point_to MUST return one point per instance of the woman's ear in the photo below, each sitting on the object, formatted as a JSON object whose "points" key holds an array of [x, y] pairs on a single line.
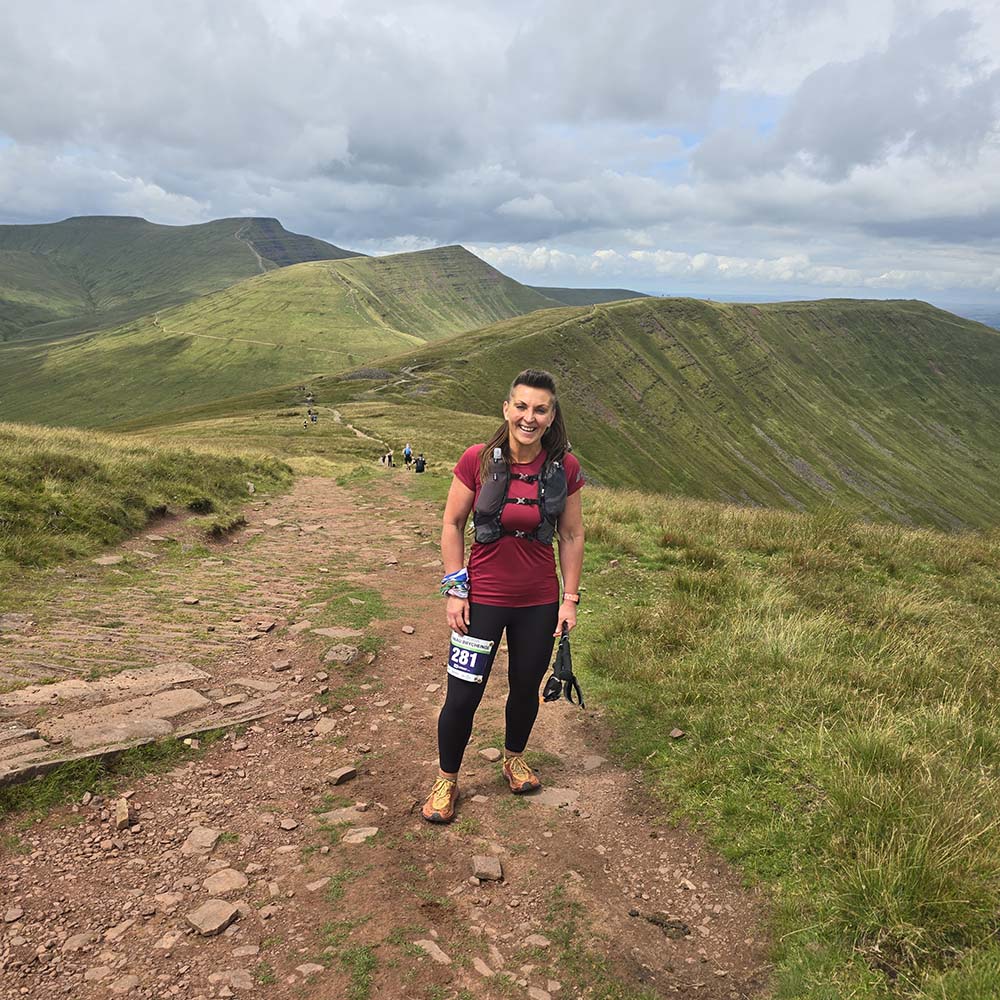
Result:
{"points": [[506, 403]]}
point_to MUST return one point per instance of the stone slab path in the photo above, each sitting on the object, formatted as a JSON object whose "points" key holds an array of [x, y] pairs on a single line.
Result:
{"points": [[288, 859]]}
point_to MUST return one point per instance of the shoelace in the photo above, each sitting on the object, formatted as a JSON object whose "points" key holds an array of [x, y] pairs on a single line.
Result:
{"points": [[520, 769], [441, 793]]}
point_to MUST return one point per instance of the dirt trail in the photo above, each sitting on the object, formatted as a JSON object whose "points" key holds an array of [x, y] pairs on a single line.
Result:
{"points": [[240, 235], [90, 911]]}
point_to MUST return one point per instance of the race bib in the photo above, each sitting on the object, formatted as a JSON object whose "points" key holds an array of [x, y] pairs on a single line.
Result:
{"points": [[468, 656]]}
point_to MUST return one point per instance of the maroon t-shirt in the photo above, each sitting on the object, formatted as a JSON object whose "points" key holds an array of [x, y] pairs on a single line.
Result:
{"points": [[515, 572]]}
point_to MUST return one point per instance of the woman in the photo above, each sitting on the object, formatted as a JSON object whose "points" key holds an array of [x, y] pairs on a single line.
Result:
{"points": [[522, 487]]}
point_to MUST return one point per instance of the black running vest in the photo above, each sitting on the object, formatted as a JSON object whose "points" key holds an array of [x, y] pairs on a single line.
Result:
{"points": [[493, 498]]}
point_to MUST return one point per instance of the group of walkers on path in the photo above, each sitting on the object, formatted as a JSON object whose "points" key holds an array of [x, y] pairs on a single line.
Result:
{"points": [[419, 463]]}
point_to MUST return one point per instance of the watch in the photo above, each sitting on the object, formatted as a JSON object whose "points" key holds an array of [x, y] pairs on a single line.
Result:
{"points": [[572, 598]]}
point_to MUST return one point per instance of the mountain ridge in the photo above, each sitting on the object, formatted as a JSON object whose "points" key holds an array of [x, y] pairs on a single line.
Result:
{"points": [[87, 272], [887, 409], [282, 325]]}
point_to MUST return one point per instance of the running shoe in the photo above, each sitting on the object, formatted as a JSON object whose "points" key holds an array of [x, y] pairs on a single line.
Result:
{"points": [[519, 776], [440, 804]]}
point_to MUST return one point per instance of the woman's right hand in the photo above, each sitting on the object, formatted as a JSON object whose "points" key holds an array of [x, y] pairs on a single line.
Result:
{"points": [[458, 615]]}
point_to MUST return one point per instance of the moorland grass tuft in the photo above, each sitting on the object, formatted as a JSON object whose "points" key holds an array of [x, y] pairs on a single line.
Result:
{"points": [[837, 684], [65, 494]]}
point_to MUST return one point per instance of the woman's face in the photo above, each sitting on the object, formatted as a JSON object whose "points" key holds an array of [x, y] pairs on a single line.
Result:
{"points": [[529, 412]]}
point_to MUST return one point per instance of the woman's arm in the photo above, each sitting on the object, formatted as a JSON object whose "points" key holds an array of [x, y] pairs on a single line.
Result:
{"points": [[456, 514], [570, 557]]}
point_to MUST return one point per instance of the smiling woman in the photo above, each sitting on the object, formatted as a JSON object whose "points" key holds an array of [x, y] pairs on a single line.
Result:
{"points": [[522, 488]]}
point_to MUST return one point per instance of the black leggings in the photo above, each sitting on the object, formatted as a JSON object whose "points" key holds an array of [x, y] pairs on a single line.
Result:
{"points": [[529, 648]]}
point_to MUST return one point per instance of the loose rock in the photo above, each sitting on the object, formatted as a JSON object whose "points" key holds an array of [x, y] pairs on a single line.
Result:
{"points": [[360, 834], [213, 917], [491, 754], [200, 840], [341, 775], [537, 941], [434, 951], [79, 941], [487, 867], [122, 987], [224, 882], [169, 940], [341, 653], [123, 814]]}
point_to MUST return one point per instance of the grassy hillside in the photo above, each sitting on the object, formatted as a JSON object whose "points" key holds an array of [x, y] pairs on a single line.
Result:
{"points": [[587, 296], [883, 409], [274, 328], [68, 493], [93, 271], [836, 685]]}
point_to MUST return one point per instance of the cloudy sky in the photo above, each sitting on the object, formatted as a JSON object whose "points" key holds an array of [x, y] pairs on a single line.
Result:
{"points": [[724, 147]]}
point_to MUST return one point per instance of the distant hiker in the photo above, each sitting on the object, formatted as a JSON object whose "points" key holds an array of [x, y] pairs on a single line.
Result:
{"points": [[511, 583], [388, 458], [314, 417], [407, 454], [305, 424], [420, 464]]}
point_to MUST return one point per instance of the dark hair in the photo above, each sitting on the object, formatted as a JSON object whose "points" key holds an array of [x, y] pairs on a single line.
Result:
{"points": [[554, 440]]}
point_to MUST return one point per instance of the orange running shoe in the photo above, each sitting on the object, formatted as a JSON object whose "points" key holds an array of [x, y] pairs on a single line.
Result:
{"points": [[519, 776], [440, 804]]}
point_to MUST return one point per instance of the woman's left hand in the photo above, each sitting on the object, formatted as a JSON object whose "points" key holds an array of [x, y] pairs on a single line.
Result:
{"points": [[567, 615]]}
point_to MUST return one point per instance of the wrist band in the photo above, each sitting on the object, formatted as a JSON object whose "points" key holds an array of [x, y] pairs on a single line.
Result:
{"points": [[456, 584]]}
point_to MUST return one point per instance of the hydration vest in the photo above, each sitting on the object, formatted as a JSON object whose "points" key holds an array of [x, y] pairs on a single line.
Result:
{"points": [[493, 498]]}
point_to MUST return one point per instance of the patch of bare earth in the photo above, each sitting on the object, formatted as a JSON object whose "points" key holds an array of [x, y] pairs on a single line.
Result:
{"points": [[321, 888]]}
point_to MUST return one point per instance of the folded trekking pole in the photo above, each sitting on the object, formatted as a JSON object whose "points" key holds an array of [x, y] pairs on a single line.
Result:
{"points": [[562, 680]]}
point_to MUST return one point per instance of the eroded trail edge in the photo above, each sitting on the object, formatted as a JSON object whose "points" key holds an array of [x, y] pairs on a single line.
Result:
{"points": [[287, 858]]}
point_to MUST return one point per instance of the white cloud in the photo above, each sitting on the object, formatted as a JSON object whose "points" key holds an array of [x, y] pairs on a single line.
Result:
{"points": [[761, 141], [641, 266], [537, 207]]}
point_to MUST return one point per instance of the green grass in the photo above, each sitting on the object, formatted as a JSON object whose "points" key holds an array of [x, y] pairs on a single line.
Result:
{"points": [[347, 604], [337, 886], [334, 933], [100, 777], [65, 494], [264, 974], [360, 961], [837, 684]]}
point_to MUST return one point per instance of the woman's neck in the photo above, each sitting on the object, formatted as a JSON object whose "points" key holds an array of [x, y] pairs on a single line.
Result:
{"points": [[524, 455]]}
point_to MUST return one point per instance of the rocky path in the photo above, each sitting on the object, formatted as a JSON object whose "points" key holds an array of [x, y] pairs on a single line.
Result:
{"points": [[288, 859]]}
